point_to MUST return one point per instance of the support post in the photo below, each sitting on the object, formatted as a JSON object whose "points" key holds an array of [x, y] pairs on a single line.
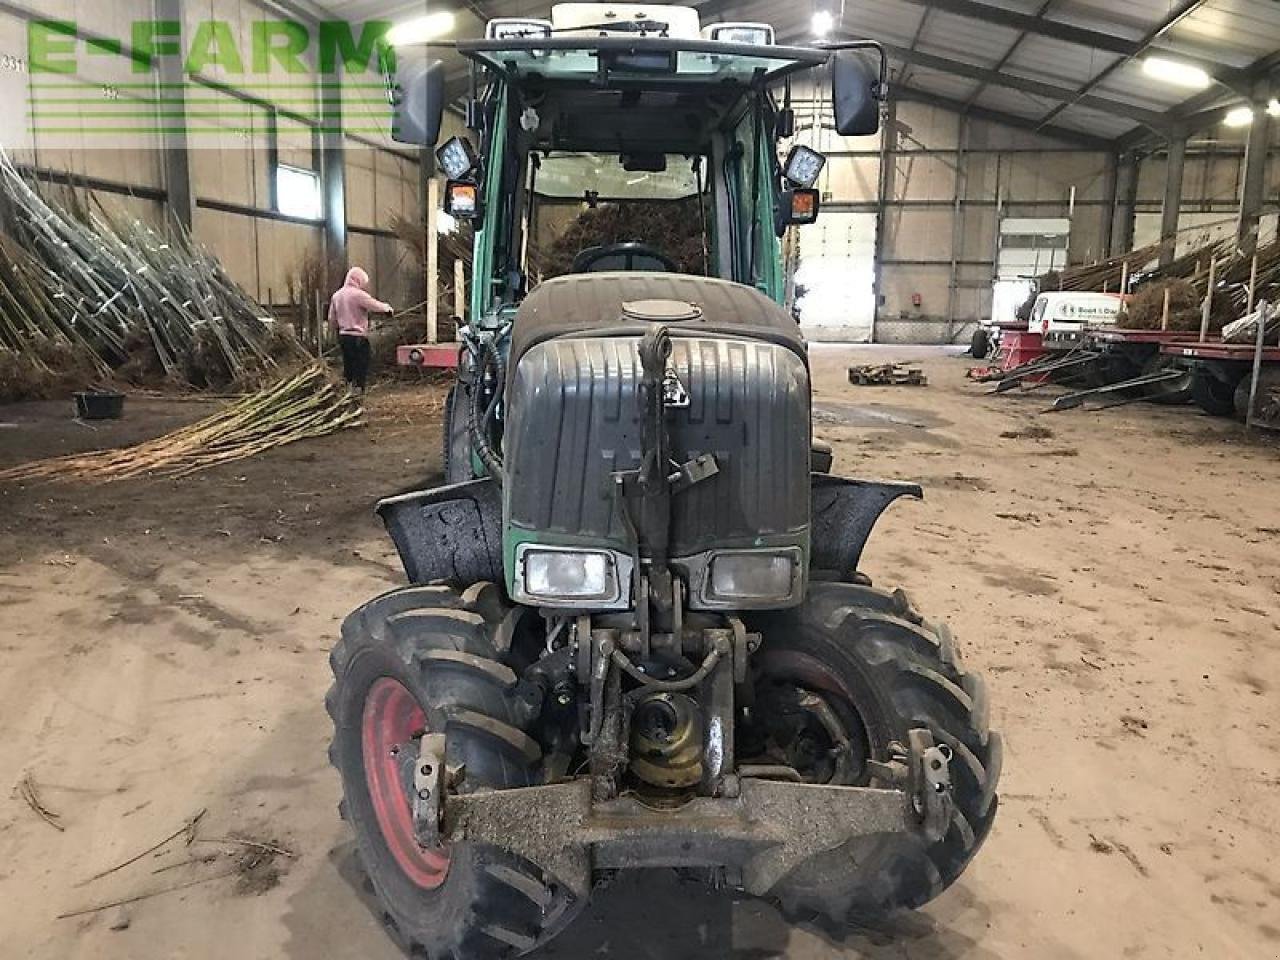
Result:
{"points": [[1253, 187], [1264, 315], [1172, 207], [1206, 310], [1121, 237], [1253, 284], [884, 192], [459, 295], [333, 175], [433, 257], [175, 148], [957, 227], [1164, 313]]}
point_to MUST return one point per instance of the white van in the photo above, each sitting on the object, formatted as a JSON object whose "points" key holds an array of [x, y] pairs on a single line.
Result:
{"points": [[1061, 317]]}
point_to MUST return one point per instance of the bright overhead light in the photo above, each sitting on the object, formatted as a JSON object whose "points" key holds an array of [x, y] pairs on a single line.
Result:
{"points": [[1273, 108], [421, 30], [1239, 117], [823, 23], [1178, 74]]}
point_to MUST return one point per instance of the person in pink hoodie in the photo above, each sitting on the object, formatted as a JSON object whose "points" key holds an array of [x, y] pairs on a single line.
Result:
{"points": [[349, 311]]}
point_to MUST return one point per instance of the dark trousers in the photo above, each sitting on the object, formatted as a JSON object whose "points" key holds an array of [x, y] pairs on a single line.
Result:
{"points": [[355, 360]]}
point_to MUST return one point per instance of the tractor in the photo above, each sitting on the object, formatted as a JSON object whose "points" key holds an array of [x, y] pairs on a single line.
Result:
{"points": [[635, 632]]}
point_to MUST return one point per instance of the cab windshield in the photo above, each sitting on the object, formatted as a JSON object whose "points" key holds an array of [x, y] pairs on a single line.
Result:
{"points": [[591, 212]]}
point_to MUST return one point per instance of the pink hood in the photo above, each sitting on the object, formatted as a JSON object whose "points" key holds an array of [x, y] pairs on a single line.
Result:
{"points": [[350, 307]]}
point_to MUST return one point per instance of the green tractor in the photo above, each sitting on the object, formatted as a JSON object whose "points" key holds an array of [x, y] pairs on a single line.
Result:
{"points": [[636, 634]]}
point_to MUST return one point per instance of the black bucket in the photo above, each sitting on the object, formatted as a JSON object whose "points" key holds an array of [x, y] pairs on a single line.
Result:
{"points": [[99, 405]]}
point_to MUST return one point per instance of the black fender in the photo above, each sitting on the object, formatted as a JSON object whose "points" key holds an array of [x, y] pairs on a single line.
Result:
{"points": [[451, 534], [454, 533], [844, 512]]}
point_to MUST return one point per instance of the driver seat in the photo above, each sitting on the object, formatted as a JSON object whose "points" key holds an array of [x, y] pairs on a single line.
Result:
{"points": [[623, 257]]}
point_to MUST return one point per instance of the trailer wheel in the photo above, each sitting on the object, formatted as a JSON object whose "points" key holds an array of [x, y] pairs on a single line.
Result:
{"points": [[980, 344], [1214, 396], [417, 660], [883, 670], [1170, 391], [1268, 388], [457, 436]]}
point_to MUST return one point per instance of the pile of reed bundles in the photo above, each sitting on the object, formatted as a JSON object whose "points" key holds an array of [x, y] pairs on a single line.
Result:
{"points": [[1220, 265], [83, 288]]}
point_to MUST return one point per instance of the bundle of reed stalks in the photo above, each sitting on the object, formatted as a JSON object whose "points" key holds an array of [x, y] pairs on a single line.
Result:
{"points": [[76, 273], [297, 408]]}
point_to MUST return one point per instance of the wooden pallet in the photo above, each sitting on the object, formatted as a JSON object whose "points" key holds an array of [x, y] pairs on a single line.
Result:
{"points": [[887, 375]]}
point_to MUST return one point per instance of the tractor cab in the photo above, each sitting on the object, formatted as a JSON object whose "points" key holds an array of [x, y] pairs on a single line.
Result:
{"points": [[625, 138]]}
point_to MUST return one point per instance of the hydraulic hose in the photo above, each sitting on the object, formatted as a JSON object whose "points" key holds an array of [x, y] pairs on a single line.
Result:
{"points": [[479, 420]]}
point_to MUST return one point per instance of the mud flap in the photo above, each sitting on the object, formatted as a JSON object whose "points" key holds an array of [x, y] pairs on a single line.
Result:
{"points": [[844, 513], [451, 534]]}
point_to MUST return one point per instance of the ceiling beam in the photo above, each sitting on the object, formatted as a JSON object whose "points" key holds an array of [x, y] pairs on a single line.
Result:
{"points": [[1036, 88], [1075, 137], [1207, 108], [1008, 54], [1184, 9], [1036, 24]]}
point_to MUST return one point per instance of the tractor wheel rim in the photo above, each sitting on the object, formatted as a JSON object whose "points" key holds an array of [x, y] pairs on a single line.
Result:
{"points": [[810, 673], [392, 719]]}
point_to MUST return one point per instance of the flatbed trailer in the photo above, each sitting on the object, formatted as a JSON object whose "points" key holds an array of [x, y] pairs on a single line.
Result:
{"points": [[1221, 372], [1113, 359]]}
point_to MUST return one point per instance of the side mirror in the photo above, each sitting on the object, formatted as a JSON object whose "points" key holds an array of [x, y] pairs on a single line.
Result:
{"points": [[462, 200], [418, 97], [854, 95], [798, 208]]}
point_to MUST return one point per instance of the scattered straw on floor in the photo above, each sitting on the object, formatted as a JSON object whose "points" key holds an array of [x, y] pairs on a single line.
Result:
{"points": [[297, 408]]}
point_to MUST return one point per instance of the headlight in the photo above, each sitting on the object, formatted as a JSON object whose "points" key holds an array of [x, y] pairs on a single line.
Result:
{"points": [[578, 575], [753, 575]]}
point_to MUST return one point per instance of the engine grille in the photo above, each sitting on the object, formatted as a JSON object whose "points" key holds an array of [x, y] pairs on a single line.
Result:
{"points": [[575, 420]]}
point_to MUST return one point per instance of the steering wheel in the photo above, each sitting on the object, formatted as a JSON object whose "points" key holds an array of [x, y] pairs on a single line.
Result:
{"points": [[637, 257]]}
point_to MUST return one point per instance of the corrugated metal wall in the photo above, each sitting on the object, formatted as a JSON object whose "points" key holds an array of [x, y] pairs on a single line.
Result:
{"points": [[231, 166], [947, 182]]}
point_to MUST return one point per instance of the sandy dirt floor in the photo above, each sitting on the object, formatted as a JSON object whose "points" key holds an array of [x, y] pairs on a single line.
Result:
{"points": [[1116, 576]]}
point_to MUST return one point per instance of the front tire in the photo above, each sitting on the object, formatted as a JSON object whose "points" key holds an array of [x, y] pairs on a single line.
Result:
{"points": [[422, 659], [886, 670]]}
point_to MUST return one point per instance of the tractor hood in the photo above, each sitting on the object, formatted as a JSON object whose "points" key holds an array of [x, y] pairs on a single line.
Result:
{"points": [[627, 304]]}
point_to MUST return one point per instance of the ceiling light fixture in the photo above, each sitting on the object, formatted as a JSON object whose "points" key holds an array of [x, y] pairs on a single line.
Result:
{"points": [[1239, 117], [823, 24], [421, 30], [1178, 74]]}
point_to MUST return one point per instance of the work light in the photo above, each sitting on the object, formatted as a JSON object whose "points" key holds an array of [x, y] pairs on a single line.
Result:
{"points": [[457, 158], [746, 34], [512, 28], [804, 166]]}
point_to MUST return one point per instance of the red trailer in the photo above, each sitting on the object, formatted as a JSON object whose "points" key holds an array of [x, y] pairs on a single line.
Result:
{"points": [[1221, 372]]}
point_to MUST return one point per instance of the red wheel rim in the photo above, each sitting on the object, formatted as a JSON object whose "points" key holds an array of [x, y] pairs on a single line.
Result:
{"points": [[392, 718]]}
